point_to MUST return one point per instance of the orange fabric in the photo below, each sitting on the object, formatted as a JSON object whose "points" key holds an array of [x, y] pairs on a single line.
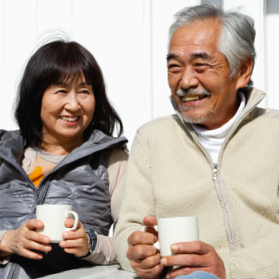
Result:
{"points": [[36, 176]]}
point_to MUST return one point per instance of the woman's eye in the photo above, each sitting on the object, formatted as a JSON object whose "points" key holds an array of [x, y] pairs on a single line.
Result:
{"points": [[84, 92], [63, 91]]}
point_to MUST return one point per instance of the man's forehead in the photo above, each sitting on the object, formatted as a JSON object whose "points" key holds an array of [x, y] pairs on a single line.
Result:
{"points": [[200, 37], [207, 29]]}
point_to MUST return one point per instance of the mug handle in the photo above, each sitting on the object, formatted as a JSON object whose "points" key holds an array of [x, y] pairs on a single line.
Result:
{"points": [[156, 244], [76, 220]]}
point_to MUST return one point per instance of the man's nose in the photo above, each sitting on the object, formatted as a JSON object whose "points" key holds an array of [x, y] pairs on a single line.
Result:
{"points": [[188, 79], [72, 102]]}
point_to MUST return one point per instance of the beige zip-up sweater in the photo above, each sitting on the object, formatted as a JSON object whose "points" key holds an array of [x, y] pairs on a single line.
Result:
{"points": [[237, 201]]}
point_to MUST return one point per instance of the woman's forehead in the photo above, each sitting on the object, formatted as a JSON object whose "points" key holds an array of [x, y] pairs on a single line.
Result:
{"points": [[70, 78]]}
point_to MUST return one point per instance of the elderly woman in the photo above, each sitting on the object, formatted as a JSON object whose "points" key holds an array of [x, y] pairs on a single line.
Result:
{"points": [[63, 153]]}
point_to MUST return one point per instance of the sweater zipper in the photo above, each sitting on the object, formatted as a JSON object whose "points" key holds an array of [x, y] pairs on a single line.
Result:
{"points": [[215, 172]]}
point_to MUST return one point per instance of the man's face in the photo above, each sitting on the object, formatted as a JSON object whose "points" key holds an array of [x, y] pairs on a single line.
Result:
{"points": [[199, 75]]}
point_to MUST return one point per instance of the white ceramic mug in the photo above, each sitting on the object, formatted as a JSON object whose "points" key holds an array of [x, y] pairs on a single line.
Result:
{"points": [[53, 216], [174, 230]]}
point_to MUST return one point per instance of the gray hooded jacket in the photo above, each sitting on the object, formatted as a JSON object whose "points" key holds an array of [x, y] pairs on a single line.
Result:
{"points": [[80, 180]]}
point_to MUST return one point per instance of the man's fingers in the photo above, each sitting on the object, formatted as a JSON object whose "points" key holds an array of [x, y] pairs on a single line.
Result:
{"points": [[192, 260], [152, 272], [150, 221], [139, 252], [144, 238], [194, 247]]}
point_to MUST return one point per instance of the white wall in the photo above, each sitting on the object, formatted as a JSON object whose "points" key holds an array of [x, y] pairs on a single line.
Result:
{"points": [[128, 39]]}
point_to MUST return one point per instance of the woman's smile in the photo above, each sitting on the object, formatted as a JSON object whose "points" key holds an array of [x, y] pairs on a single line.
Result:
{"points": [[67, 110]]}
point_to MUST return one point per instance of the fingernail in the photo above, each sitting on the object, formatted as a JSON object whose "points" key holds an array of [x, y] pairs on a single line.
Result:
{"points": [[152, 218], [40, 257], [45, 240], [174, 247], [167, 276], [65, 235], [47, 248], [164, 261], [62, 244]]}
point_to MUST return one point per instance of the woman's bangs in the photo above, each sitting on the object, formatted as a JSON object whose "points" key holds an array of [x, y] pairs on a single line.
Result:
{"points": [[69, 73]]}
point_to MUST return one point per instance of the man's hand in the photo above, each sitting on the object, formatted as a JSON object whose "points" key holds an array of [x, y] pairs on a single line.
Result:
{"points": [[143, 256], [25, 239], [75, 242], [194, 256]]}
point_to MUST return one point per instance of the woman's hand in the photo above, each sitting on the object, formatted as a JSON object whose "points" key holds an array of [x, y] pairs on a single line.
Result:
{"points": [[24, 239], [75, 242]]}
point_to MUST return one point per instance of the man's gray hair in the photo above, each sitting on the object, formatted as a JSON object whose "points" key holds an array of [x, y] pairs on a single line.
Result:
{"points": [[236, 41]]}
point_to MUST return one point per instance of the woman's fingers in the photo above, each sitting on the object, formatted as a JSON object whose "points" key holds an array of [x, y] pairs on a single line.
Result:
{"points": [[25, 239], [75, 242]]}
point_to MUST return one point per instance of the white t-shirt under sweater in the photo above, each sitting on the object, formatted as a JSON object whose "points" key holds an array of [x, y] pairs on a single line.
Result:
{"points": [[212, 140]]}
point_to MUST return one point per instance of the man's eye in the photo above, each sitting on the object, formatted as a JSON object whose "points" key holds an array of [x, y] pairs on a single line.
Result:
{"points": [[173, 68], [201, 65]]}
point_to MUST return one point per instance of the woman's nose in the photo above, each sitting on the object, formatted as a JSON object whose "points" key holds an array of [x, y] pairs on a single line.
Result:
{"points": [[72, 102]]}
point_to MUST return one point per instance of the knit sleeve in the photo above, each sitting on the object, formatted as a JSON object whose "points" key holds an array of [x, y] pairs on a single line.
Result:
{"points": [[137, 199]]}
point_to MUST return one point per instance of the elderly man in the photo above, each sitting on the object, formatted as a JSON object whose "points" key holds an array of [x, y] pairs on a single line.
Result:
{"points": [[217, 158]]}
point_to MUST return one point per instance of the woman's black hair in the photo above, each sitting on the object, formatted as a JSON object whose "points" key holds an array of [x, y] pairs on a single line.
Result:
{"points": [[54, 63]]}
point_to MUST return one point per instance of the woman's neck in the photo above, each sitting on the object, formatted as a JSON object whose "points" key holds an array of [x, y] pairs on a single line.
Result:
{"points": [[59, 148]]}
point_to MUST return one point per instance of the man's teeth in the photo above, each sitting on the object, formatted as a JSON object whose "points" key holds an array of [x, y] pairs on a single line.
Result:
{"points": [[192, 98], [69, 119]]}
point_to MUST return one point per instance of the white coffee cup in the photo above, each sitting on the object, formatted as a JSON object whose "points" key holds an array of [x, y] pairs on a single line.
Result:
{"points": [[53, 216], [174, 230]]}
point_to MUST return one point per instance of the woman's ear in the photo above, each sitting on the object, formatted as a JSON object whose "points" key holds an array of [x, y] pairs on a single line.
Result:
{"points": [[244, 73]]}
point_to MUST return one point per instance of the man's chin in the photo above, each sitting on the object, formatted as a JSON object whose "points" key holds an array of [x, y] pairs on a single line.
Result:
{"points": [[197, 119]]}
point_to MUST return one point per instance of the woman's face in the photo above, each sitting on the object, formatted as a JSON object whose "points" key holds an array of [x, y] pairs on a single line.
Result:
{"points": [[67, 110]]}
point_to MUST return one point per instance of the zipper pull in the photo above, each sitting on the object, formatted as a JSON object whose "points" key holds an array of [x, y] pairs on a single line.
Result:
{"points": [[215, 172]]}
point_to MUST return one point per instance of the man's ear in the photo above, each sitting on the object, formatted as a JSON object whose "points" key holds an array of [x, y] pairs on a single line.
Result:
{"points": [[244, 73]]}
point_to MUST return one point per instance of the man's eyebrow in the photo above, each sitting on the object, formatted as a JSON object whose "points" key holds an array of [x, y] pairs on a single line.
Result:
{"points": [[202, 55], [172, 56]]}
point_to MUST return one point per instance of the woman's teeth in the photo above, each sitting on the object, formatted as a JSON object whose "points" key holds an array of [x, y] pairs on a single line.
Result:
{"points": [[69, 119]]}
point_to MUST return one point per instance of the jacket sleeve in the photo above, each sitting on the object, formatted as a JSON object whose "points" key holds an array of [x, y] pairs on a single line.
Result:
{"points": [[3, 260], [104, 252], [137, 199]]}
